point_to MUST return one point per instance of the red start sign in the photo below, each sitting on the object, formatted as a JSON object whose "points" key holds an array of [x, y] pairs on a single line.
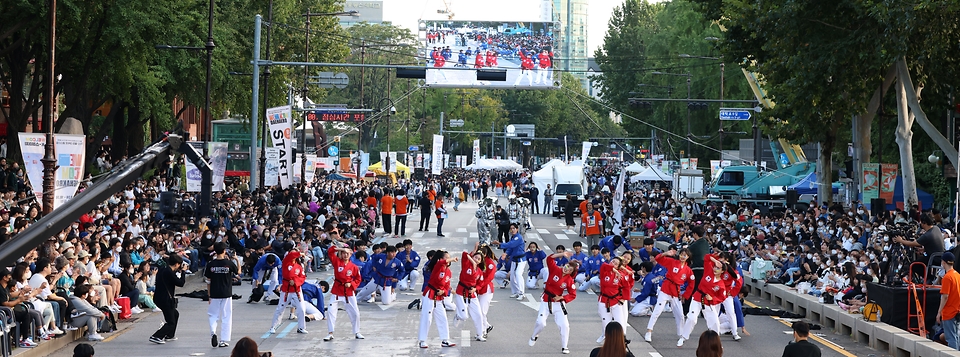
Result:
{"points": [[319, 115]]}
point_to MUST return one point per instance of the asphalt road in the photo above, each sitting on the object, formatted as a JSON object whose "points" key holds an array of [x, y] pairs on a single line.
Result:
{"points": [[392, 330]]}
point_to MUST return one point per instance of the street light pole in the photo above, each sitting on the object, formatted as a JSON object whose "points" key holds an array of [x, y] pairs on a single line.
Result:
{"points": [[206, 126], [306, 79], [689, 80], [262, 128], [49, 156]]}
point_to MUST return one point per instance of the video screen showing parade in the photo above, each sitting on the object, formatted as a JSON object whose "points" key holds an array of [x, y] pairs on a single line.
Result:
{"points": [[524, 50]]}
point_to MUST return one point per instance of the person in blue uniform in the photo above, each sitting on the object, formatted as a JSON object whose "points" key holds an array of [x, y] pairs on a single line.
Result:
{"points": [[646, 299], [411, 261], [514, 249], [385, 267], [266, 272], [538, 271], [612, 243], [648, 252], [595, 262]]}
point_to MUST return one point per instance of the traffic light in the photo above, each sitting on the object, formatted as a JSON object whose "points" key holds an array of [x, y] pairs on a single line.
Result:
{"points": [[696, 105], [336, 139], [640, 104]]}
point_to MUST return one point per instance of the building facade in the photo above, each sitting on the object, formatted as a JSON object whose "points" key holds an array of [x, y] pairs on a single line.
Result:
{"points": [[572, 38]]}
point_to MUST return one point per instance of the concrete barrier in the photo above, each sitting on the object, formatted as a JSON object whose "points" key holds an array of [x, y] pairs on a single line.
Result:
{"points": [[877, 335]]}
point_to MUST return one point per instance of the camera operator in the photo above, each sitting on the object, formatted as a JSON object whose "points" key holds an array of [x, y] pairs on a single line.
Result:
{"points": [[931, 241]]}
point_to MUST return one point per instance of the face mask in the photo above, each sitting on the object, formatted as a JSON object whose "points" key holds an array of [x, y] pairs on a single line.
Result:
{"points": [[873, 256], [886, 238], [869, 271], [831, 231], [833, 252], [109, 221], [809, 256], [209, 236], [119, 248], [863, 264], [842, 256], [75, 226], [850, 214], [261, 221], [150, 230]]}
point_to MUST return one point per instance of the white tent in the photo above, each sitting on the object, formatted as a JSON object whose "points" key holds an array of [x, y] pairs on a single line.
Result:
{"points": [[651, 174], [544, 177], [494, 164], [635, 167]]}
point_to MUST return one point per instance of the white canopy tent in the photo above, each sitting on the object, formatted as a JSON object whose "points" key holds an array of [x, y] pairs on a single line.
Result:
{"points": [[635, 167], [494, 164], [651, 174]]}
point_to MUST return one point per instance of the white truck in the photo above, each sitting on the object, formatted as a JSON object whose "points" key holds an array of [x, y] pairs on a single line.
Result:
{"points": [[568, 180]]}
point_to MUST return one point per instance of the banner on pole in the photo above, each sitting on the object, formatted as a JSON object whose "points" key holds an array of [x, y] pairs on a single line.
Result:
{"points": [[436, 165], [271, 170], [618, 202], [586, 151], [70, 150], [192, 176], [217, 152], [280, 119], [312, 162], [392, 156], [888, 181], [31, 146], [476, 150], [693, 163], [364, 163], [871, 181], [446, 160], [714, 168]]}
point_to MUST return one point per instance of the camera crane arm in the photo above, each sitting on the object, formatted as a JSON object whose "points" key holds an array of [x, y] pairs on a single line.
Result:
{"points": [[123, 174]]}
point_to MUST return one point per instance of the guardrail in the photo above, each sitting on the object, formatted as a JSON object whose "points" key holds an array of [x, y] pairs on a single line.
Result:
{"points": [[877, 335]]}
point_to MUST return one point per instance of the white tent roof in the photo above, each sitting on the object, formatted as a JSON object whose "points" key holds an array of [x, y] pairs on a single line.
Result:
{"points": [[651, 174], [635, 167], [494, 164]]}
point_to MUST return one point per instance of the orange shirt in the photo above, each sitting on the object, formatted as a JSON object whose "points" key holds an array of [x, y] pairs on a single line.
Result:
{"points": [[591, 223], [401, 205], [499, 185], [371, 201], [951, 287], [583, 206], [432, 195], [386, 205]]}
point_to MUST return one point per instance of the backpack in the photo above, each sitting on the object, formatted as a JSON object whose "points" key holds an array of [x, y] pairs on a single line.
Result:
{"points": [[872, 311]]}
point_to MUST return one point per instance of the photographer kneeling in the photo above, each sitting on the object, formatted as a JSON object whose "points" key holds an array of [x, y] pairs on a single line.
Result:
{"points": [[931, 241]]}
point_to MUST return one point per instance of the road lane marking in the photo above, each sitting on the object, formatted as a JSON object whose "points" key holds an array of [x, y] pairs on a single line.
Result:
{"points": [[542, 231], [418, 235], [534, 236], [464, 338], [461, 230], [827, 343], [286, 330], [561, 236], [474, 235], [464, 240], [567, 231]]}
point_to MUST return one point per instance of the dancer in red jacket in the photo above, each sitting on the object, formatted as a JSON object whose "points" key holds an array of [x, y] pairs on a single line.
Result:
{"points": [[485, 287], [558, 290], [438, 287], [543, 72], [611, 285], [468, 306], [346, 280], [710, 293], [679, 275], [290, 295]]}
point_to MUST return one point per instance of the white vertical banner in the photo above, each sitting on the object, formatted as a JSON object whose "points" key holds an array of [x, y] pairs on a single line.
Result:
{"points": [[193, 178], [217, 152], [586, 151], [476, 150], [436, 165], [280, 119], [392, 157], [418, 161], [31, 146], [618, 202], [446, 160], [70, 150], [364, 164], [271, 170], [311, 172]]}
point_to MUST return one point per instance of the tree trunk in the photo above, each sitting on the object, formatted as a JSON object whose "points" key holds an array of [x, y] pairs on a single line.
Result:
{"points": [[913, 102], [905, 141], [825, 191], [866, 120], [119, 137]]}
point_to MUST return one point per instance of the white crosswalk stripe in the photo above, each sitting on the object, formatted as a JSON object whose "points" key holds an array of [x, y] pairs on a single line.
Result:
{"points": [[474, 235], [461, 230], [561, 236], [542, 231], [534, 236], [418, 235]]}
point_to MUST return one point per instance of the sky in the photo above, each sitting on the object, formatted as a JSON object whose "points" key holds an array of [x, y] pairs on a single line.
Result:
{"points": [[406, 13]]}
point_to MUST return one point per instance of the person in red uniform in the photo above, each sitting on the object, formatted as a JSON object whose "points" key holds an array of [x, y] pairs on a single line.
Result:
{"points": [[346, 279], [543, 72], [471, 275], [709, 295], [734, 282], [678, 275], [438, 60], [485, 287], [290, 294], [489, 59], [608, 303], [478, 61], [626, 291], [526, 67], [438, 287], [557, 291]]}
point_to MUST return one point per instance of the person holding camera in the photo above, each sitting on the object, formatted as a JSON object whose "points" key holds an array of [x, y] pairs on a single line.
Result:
{"points": [[800, 347], [168, 279], [948, 314], [931, 241]]}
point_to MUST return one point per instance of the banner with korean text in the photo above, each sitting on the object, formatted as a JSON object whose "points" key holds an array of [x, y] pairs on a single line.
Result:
{"points": [[70, 150], [888, 181], [871, 181], [436, 165], [271, 170], [217, 152], [476, 150]]}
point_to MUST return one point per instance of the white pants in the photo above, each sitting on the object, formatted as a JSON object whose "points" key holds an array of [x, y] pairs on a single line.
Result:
{"points": [[387, 294], [532, 281], [221, 310], [675, 306], [542, 75], [727, 325], [730, 313], [294, 300], [710, 313], [516, 277], [559, 317], [485, 307], [433, 311], [272, 282], [625, 310], [615, 314], [642, 308], [524, 73], [349, 304], [592, 282], [499, 277], [467, 309], [581, 278], [410, 281]]}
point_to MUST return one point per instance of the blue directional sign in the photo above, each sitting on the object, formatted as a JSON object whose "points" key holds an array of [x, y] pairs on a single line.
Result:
{"points": [[735, 114], [333, 151], [413, 148]]}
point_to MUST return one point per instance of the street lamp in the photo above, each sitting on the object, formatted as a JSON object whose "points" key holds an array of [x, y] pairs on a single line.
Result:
{"points": [[689, 78], [390, 111]]}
